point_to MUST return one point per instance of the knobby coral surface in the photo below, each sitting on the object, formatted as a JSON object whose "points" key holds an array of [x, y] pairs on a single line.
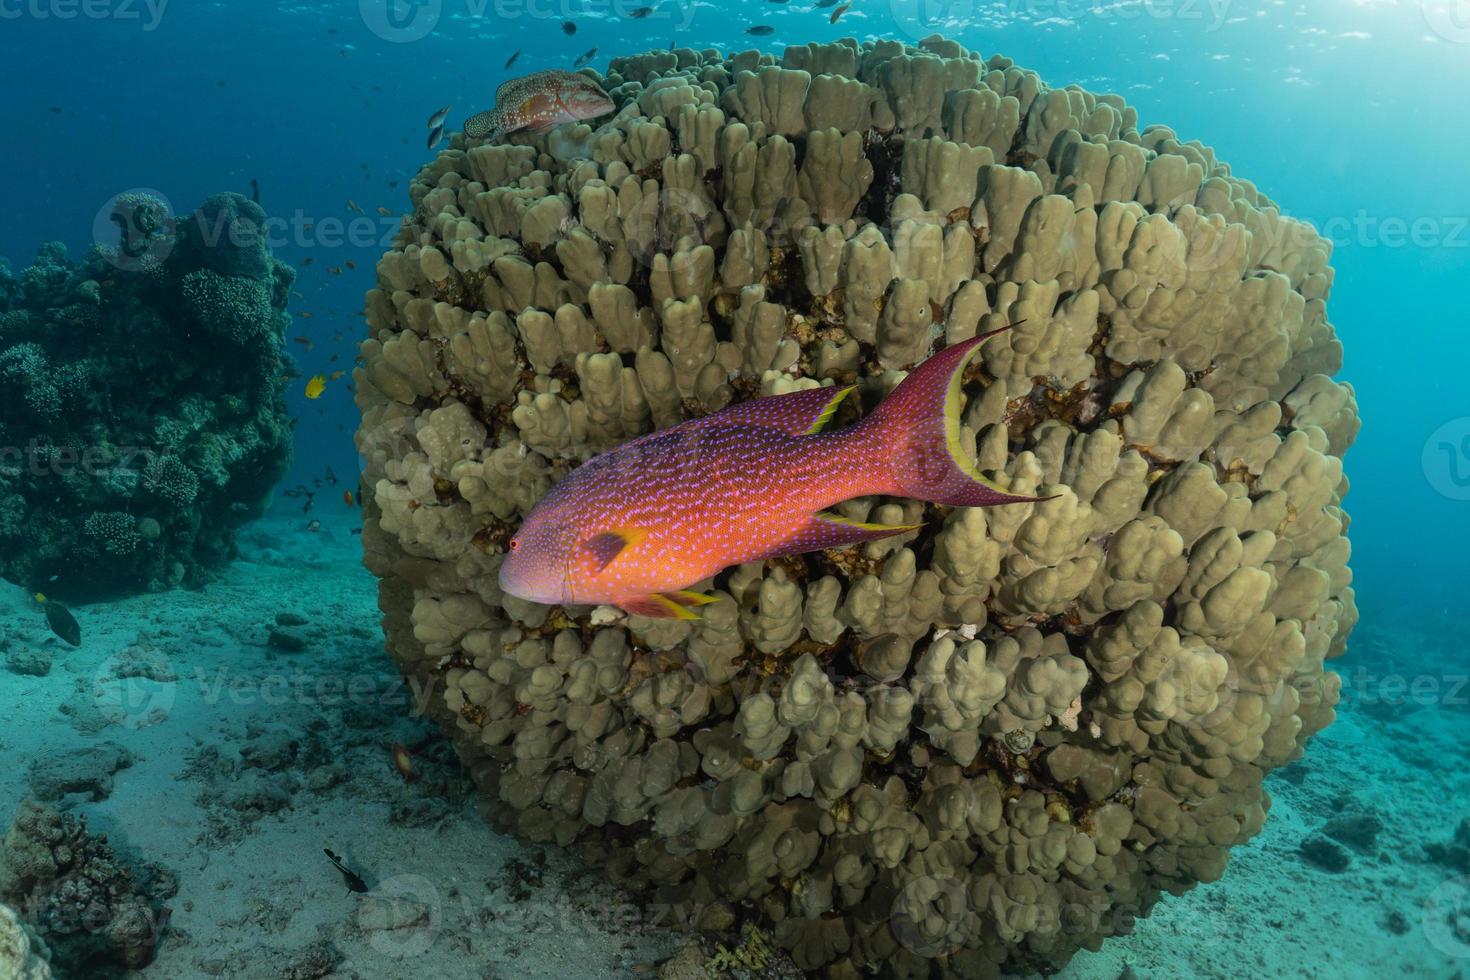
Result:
{"points": [[142, 421], [978, 746]]}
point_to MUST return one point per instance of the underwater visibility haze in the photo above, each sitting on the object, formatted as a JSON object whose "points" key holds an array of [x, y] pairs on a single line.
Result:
{"points": [[615, 488]]}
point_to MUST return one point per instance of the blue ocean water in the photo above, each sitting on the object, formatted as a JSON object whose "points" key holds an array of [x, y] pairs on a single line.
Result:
{"points": [[1351, 115]]}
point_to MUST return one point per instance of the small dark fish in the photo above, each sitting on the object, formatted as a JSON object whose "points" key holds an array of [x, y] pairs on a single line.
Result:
{"points": [[823, 4], [352, 878], [839, 12], [775, 1], [61, 621], [760, 30], [254, 190], [56, 109], [437, 119], [568, 27], [357, 530], [435, 135], [585, 59], [640, 13], [512, 59], [330, 476]]}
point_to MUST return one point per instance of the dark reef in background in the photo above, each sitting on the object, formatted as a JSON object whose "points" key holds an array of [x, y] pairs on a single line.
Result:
{"points": [[142, 420]]}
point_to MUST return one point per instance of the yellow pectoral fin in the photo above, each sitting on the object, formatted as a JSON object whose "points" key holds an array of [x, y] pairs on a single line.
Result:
{"points": [[660, 607], [684, 597]]}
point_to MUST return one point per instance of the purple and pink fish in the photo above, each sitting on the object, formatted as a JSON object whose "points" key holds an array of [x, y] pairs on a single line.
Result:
{"points": [[638, 525]]}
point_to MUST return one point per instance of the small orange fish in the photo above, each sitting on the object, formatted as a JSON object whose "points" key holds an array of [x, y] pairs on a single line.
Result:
{"points": [[639, 524], [347, 498], [304, 342], [385, 212], [403, 763], [538, 103], [304, 315], [354, 206], [336, 375], [316, 386]]}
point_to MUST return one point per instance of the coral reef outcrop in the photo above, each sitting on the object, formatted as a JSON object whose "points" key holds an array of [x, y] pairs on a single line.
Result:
{"points": [[77, 896], [143, 421], [979, 746]]}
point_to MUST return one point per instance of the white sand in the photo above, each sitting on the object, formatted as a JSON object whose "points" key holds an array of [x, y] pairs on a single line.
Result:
{"points": [[450, 898]]}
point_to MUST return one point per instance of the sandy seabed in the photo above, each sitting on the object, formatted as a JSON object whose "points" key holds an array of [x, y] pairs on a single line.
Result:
{"points": [[255, 719]]}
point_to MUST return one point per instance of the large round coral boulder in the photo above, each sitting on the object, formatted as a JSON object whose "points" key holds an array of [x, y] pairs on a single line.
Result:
{"points": [[981, 745]]}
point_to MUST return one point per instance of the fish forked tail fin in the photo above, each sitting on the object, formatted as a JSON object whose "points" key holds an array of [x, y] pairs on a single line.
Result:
{"points": [[915, 435]]}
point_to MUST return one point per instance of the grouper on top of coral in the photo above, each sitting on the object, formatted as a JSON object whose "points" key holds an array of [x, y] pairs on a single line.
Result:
{"points": [[638, 524], [539, 102]]}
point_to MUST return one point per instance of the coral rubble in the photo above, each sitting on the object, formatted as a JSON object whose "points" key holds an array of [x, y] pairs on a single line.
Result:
{"points": [[78, 896], [980, 746], [143, 421]]}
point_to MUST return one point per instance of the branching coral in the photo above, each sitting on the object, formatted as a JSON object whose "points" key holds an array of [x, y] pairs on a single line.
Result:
{"points": [[963, 750]]}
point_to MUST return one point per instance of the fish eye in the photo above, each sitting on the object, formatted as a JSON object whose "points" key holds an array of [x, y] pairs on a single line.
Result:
{"points": [[515, 544]]}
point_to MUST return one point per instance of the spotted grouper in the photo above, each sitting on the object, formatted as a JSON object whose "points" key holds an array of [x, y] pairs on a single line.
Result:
{"points": [[538, 103], [638, 525]]}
